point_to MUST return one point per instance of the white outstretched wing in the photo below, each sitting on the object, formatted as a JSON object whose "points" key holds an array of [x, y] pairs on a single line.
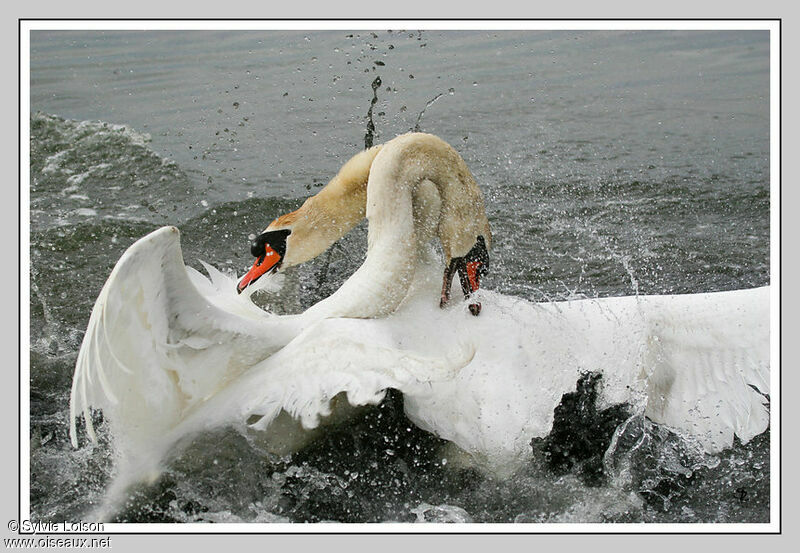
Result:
{"points": [[155, 345], [708, 364], [698, 363]]}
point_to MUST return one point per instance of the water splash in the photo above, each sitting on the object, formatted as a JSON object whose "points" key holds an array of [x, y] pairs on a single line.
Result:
{"points": [[370, 136], [441, 513]]}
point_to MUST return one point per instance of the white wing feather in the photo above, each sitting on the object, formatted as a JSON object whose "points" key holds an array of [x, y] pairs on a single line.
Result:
{"points": [[709, 363], [154, 345]]}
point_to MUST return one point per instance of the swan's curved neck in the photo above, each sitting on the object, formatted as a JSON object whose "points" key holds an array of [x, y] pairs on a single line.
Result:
{"points": [[331, 213], [411, 189], [395, 185]]}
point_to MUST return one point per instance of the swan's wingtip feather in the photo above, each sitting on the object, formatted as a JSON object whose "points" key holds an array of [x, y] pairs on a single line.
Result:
{"points": [[73, 432]]}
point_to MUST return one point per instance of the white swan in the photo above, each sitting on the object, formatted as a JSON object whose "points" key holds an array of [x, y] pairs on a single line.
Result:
{"points": [[168, 353], [411, 189]]}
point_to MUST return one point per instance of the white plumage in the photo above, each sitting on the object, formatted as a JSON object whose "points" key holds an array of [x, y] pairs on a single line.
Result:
{"points": [[168, 352], [165, 360]]}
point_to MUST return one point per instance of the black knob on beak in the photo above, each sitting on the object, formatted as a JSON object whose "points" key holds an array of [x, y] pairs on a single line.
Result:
{"points": [[257, 245]]}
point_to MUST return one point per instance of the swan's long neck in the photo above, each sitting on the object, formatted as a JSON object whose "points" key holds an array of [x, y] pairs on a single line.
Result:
{"points": [[406, 169], [331, 213], [416, 186]]}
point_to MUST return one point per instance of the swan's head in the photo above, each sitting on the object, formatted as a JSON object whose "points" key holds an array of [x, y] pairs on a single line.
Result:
{"points": [[269, 249], [299, 236]]}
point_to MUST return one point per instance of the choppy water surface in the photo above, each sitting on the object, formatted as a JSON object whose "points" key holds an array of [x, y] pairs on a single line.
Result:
{"points": [[612, 164]]}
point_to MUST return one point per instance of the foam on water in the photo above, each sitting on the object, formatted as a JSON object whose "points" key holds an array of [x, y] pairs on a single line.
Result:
{"points": [[441, 513]]}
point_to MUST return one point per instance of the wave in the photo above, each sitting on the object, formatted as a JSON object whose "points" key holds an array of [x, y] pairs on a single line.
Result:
{"points": [[76, 166]]}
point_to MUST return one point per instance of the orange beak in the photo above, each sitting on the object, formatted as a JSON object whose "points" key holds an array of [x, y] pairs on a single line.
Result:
{"points": [[263, 264]]}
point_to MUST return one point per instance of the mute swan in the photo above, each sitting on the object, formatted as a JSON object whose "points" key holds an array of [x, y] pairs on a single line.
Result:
{"points": [[169, 353], [418, 187]]}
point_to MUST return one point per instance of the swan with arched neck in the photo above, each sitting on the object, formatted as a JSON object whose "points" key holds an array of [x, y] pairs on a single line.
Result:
{"points": [[412, 189], [169, 353]]}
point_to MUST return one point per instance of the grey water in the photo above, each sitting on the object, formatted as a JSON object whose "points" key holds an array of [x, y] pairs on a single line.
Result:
{"points": [[612, 163]]}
